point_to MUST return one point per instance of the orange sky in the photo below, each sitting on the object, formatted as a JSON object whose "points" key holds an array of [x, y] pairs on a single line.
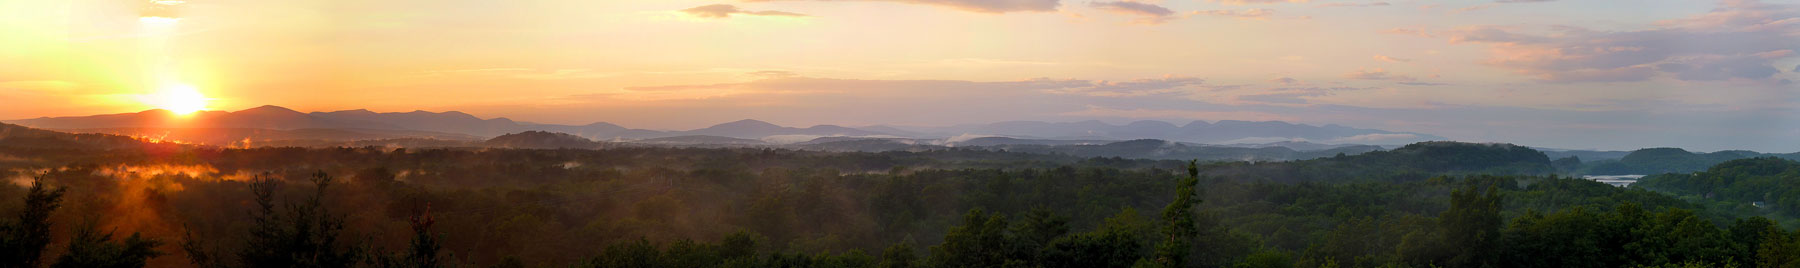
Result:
{"points": [[1427, 66]]}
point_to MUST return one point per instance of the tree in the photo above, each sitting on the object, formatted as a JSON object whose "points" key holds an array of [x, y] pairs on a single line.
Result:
{"points": [[423, 252], [979, 242], [898, 256], [1117, 243], [1472, 226], [93, 249], [1179, 223], [295, 235], [22, 241]]}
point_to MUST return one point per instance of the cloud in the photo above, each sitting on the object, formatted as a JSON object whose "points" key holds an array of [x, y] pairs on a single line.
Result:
{"points": [[720, 11], [1423, 84], [1286, 96], [1741, 40], [1255, 2], [1102, 111], [1377, 74], [1278, 98], [1143, 86], [1377, 138], [520, 73], [1390, 59], [1248, 14], [1165, 86], [1408, 31], [773, 74], [1521, 1], [782, 83], [1147, 13], [1472, 8], [982, 6], [1285, 81], [1713, 69], [1354, 4]]}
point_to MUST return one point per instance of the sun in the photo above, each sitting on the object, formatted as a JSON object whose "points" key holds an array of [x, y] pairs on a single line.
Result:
{"points": [[180, 99]]}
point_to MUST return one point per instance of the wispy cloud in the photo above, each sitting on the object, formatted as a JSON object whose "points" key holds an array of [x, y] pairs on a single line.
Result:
{"points": [[1741, 40], [1255, 2], [1377, 74], [1165, 86], [1387, 58], [1247, 14], [1420, 32], [719, 11], [1355, 4], [983, 6], [1147, 13]]}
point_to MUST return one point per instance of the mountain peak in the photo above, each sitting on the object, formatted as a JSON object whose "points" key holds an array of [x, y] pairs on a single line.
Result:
{"points": [[271, 109], [747, 123], [1197, 123], [1149, 123], [357, 112]]}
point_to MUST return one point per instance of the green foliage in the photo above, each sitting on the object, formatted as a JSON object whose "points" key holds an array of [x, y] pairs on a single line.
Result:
{"points": [[1179, 223], [898, 256], [1742, 183], [1426, 205], [1120, 242], [1666, 160], [1266, 259], [1472, 226]]}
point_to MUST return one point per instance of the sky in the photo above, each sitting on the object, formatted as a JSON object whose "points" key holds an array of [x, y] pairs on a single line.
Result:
{"points": [[1580, 74]]}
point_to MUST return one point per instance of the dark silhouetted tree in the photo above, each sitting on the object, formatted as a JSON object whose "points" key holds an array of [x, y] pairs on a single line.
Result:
{"points": [[93, 249], [23, 239], [296, 235]]}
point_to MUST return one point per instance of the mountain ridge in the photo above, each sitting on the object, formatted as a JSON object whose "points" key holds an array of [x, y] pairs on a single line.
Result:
{"points": [[454, 123]]}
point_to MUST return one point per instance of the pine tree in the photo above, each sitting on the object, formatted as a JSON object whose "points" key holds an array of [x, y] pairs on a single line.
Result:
{"points": [[296, 235], [93, 249], [22, 241], [1179, 221]]}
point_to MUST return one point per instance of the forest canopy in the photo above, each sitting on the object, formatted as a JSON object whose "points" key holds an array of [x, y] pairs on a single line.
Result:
{"points": [[1421, 205]]}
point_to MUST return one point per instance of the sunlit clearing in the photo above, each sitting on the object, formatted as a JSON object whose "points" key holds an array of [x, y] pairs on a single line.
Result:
{"points": [[180, 99]]}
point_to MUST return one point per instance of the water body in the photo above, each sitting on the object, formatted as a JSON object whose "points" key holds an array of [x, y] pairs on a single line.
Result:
{"points": [[1614, 180]]}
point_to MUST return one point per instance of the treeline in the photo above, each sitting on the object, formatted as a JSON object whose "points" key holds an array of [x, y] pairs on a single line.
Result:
{"points": [[1651, 161], [645, 207], [1764, 185]]}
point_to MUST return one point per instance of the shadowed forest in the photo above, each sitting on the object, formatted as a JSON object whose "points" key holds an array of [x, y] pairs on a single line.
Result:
{"points": [[92, 202]]}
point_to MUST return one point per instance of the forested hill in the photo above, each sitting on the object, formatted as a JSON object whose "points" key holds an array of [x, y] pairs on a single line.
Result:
{"points": [[21, 137], [1409, 163], [1739, 184], [541, 140], [690, 207], [1670, 160]]}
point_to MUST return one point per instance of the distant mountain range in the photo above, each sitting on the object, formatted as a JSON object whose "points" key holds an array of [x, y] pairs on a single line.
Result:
{"points": [[274, 123], [229, 131], [1221, 132]]}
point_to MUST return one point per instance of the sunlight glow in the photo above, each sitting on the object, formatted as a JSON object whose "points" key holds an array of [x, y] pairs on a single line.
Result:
{"points": [[180, 99]]}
